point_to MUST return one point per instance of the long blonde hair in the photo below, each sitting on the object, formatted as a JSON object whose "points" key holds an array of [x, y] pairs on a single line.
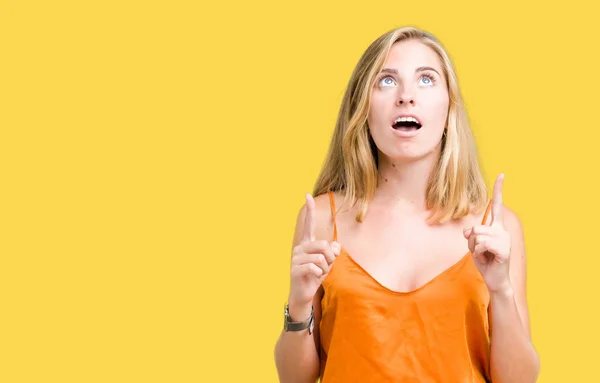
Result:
{"points": [[456, 185]]}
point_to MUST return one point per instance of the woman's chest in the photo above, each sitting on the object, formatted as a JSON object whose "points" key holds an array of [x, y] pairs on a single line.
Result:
{"points": [[402, 256]]}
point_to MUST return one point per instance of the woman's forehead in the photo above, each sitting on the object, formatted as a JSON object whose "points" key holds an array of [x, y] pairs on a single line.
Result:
{"points": [[411, 54]]}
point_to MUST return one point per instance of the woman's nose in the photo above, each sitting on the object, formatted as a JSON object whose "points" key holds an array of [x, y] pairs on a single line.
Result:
{"points": [[406, 98]]}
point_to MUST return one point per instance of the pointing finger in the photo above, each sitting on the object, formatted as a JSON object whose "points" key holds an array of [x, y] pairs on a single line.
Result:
{"points": [[497, 204], [310, 219]]}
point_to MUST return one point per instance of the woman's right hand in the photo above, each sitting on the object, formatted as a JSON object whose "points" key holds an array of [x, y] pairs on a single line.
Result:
{"points": [[311, 262]]}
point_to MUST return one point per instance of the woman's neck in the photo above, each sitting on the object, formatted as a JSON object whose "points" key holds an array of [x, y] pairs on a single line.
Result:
{"points": [[404, 184]]}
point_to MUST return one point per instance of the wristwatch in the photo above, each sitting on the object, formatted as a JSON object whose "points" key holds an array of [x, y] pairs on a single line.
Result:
{"points": [[309, 323]]}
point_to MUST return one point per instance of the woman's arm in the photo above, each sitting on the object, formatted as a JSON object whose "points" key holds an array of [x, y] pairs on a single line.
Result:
{"points": [[296, 356], [297, 353], [513, 357]]}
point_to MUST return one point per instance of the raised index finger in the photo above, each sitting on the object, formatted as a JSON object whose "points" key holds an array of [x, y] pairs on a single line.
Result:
{"points": [[497, 200], [309, 219]]}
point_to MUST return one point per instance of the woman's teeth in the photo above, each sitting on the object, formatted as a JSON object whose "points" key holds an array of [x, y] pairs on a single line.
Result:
{"points": [[406, 123]]}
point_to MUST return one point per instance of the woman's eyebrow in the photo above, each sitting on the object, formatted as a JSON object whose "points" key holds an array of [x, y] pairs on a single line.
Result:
{"points": [[419, 69]]}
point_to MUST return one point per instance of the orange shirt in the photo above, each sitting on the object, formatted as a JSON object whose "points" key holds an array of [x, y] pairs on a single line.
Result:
{"points": [[436, 333]]}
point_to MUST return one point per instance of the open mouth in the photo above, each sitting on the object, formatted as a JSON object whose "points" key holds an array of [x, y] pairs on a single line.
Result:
{"points": [[406, 124]]}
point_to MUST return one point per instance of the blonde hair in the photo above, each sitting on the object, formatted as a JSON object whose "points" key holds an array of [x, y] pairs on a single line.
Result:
{"points": [[456, 185]]}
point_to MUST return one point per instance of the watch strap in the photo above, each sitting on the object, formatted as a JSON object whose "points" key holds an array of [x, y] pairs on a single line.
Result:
{"points": [[299, 326]]}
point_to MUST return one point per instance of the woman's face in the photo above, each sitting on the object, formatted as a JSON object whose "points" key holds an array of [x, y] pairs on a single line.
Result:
{"points": [[409, 103]]}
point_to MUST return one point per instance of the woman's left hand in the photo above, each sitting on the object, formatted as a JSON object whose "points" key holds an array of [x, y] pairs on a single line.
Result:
{"points": [[490, 246]]}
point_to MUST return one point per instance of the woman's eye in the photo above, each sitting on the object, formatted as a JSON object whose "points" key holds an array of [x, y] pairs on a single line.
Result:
{"points": [[387, 81], [426, 80]]}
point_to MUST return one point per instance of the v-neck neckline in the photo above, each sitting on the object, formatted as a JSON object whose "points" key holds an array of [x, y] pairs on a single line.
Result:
{"points": [[431, 281]]}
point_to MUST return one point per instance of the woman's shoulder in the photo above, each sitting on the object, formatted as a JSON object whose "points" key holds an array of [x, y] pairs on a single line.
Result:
{"points": [[485, 214], [323, 219], [477, 214]]}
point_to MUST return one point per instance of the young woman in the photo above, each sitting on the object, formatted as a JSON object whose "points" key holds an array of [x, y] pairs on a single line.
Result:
{"points": [[402, 270]]}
